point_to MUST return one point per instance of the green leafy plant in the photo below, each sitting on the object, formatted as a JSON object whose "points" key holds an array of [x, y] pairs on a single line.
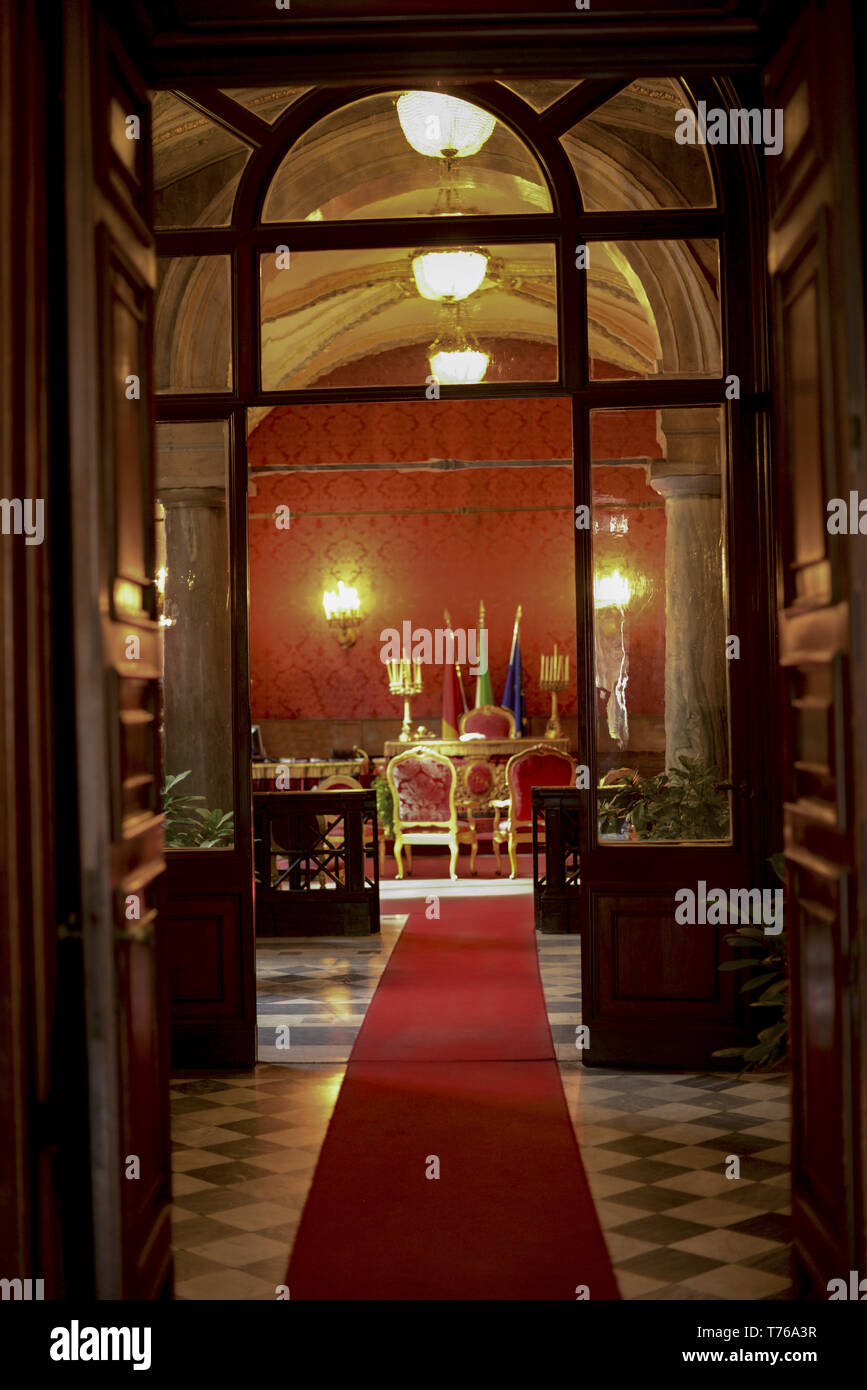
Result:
{"points": [[680, 804], [769, 956], [384, 805], [189, 825]]}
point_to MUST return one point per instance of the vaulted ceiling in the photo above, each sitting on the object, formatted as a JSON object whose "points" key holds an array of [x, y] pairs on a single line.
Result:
{"points": [[652, 306]]}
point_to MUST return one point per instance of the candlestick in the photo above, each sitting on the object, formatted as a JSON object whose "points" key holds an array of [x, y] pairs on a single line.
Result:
{"points": [[404, 679], [555, 677]]}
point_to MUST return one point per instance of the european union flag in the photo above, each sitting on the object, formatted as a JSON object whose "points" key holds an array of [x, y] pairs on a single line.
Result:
{"points": [[513, 698]]}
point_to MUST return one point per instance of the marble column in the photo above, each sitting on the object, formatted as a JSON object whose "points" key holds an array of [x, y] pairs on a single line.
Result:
{"points": [[696, 676], [197, 652]]}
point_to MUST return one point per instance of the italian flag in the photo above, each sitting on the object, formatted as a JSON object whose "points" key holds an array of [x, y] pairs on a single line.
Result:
{"points": [[484, 691]]}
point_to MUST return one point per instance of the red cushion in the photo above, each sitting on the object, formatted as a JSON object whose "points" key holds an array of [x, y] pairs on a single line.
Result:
{"points": [[536, 770], [422, 787]]}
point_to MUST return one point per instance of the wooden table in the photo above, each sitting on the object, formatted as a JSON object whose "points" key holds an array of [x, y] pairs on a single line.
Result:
{"points": [[304, 774]]}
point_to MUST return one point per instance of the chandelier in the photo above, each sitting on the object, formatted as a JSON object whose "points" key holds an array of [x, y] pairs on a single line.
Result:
{"points": [[441, 126], [448, 275], [456, 359]]}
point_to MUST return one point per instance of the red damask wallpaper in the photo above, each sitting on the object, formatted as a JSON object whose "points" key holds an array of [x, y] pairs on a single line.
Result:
{"points": [[416, 542]]}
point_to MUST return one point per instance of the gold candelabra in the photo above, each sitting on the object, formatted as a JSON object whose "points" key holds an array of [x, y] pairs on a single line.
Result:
{"points": [[404, 678], [554, 676]]}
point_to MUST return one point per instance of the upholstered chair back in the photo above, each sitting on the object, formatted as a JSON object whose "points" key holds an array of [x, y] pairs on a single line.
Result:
{"points": [[537, 767], [422, 784], [493, 721]]}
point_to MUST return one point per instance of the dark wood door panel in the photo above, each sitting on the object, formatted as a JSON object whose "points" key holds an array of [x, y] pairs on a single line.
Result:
{"points": [[111, 277], [805, 429], [145, 1147], [822, 1193], [816, 265], [211, 981], [652, 992]]}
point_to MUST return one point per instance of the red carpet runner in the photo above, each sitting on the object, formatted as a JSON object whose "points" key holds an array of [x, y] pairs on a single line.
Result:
{"points": [[454, 1062]]}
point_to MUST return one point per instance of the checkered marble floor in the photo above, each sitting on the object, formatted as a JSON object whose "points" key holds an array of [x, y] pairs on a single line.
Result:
{"points": [[312, 994], [244, 1148], [560, 968], [656, 1149], [654, 1144]]}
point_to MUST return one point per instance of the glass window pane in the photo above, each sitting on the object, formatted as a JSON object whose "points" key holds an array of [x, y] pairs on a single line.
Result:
{"points": [[267, 102], [660, 604], [341, 318], [654, 309], [543, 93], [192, 324], [358, 162], [194, 613], [626, 157], [197, 166]]}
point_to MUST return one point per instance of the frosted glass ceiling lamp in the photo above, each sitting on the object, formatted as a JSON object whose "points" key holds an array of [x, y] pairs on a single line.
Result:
{"points": [[448, 275], [456, 359], [443, 127]]}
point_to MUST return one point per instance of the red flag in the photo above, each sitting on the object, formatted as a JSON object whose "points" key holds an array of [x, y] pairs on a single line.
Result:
{"points": [[451, 701]]}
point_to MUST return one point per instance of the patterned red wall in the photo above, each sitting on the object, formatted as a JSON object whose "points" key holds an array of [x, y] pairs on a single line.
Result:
{"points": [[446, 553]]}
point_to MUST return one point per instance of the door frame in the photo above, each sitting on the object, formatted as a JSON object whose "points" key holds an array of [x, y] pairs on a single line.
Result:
{"points": [[736, 220]]}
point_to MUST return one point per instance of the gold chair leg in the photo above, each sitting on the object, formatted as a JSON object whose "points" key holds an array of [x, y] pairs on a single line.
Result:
{"points": [[496, 845], [398, 856], [474, 849], [513, 858], [453, 848]]}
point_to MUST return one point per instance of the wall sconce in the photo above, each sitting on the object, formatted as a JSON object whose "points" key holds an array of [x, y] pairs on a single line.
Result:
{"points": [[343, 611], [611, 590]]}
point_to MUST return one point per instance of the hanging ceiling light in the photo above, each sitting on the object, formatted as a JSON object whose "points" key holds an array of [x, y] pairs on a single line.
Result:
{"points": [[456, 358], [448, 275], [442, 126]]}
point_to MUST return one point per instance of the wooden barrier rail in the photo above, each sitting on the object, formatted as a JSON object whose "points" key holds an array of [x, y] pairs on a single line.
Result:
{"points": [[311, 853]]}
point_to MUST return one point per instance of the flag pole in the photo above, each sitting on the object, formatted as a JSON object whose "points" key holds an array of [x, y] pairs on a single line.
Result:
{"points": [[448, 621], [479, 647], [516, 627]]}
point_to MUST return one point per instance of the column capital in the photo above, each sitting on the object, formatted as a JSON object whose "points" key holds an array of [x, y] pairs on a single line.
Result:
{"points": [[672, 480], [174, 497], [692, 435]]}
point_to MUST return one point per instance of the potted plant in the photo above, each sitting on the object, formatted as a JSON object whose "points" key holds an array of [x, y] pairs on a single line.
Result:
{"points": [[768, 956], [190, 826], [682, 803]]}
